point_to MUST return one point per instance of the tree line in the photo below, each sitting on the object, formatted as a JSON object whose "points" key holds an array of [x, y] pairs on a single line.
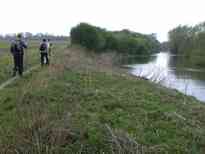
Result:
{"points": [[190, 42], [31, 36], [125, 41]]}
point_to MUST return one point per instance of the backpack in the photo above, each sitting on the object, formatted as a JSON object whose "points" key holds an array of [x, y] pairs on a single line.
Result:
{"points": [[17, 47], [43, 47]]}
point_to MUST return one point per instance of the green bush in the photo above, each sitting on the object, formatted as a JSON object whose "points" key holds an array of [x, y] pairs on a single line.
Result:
{"points": [[87, 36], [111, 42], [190, 42], [125, 41]]}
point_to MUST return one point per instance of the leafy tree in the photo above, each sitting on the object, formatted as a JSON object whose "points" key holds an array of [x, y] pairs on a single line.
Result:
{"points": [[125, 41], [190, 42]]}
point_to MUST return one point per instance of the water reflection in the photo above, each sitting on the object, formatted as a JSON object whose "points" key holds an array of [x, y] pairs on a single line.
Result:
{"points": [[164, 69]]}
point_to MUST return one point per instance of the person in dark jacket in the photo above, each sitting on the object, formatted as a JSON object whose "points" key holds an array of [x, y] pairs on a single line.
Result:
{"points": [[17, 50], [44, 49]]}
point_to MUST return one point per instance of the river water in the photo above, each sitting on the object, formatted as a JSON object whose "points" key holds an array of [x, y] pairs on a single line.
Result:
{"points": [[163, 68]]}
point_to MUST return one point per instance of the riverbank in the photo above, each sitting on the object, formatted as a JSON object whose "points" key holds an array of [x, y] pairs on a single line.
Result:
{"points": [[83, 103]]}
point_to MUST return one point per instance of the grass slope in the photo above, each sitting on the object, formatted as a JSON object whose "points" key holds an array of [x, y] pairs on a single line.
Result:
{"points": [[78, 105]]}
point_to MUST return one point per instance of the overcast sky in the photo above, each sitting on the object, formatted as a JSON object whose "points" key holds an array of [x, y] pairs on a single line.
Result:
{"points": [[58, 16]]}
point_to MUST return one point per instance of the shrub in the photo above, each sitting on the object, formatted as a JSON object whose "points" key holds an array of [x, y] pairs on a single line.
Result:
{"points": [[111, 42], [87, 36], [125, 41]]}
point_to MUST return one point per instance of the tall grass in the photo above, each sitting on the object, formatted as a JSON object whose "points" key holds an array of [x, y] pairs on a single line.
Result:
{"points": [[81, 105]]}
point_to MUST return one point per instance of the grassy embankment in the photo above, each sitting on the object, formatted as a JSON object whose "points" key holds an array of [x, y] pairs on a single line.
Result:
{"points": [[84, 104]]}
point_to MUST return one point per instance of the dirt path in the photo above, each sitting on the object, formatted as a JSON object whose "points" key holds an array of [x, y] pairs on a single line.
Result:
{"points": [[8, 82]]}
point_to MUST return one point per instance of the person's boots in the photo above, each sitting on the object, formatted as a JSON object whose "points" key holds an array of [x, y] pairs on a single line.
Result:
{"points": [[47, 62], [21, 72], [14, 74]]}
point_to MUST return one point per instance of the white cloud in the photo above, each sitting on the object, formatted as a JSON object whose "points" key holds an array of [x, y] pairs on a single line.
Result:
{"points": [[58, 16]]}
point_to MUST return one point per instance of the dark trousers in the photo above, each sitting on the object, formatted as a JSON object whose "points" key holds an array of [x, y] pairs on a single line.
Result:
{"points": [[44, 56], [18, 63]]}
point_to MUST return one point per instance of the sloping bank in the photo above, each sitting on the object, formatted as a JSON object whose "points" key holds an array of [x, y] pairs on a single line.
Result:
{"points": [[79, 104]]}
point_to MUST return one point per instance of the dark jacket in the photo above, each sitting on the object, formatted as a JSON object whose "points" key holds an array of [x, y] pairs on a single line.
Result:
{"points": [[44, 47], [17, 47]]}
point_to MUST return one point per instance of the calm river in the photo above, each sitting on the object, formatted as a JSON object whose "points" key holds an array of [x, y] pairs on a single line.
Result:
{"points": [[163, 68]]}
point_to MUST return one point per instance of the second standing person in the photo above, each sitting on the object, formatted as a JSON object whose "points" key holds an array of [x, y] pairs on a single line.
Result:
{"points": [[44, 49]]}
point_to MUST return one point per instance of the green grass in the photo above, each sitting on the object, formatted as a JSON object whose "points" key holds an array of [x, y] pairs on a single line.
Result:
{"points": [[62, 109], [4, 45]]}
